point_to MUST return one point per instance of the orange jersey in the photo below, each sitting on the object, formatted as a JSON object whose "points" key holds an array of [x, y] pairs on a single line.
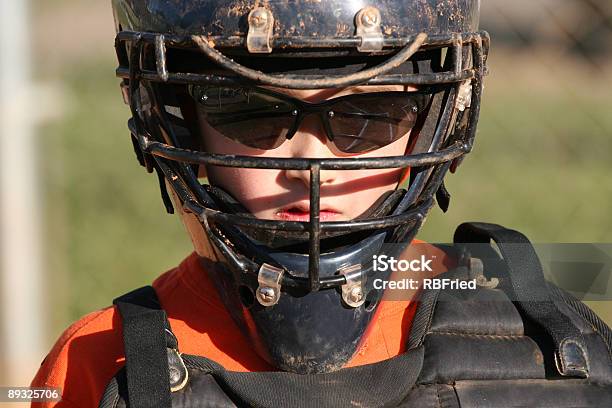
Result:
{"points": [[90, 352]]}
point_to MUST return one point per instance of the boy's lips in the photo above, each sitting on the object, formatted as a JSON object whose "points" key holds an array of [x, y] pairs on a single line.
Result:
{"points": [[302, 213]]}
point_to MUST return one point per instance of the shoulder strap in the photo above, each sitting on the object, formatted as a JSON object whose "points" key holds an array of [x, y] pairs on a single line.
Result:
{"points": [[529, 289], [146, 336]]}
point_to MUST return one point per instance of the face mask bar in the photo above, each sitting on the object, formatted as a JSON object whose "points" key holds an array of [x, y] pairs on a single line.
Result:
{"points": [[372, 76], [171, 161]]}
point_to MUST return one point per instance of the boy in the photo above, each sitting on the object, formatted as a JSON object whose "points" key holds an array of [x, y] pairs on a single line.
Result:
{"points": [[308, 125]]}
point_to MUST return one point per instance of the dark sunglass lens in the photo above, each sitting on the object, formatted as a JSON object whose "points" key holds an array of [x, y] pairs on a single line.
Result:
{"points": [[247, 116], [363, 123]]}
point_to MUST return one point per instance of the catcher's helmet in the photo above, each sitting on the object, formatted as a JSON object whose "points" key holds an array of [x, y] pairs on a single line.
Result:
{"points": [[301, 291]]}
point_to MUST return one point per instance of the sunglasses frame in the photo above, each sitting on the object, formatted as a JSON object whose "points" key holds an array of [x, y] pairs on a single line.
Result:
{"points": [[303, 109]]}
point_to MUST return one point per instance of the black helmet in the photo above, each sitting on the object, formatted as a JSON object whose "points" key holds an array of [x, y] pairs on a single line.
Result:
{"points": [[301, 291]]}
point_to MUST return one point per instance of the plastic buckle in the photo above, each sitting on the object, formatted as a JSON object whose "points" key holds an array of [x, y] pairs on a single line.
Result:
{"points": [[367, 22], [261, 22]]}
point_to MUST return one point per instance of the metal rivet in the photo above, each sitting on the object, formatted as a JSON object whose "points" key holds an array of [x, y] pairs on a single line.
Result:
{"points": [[294, 112], [415, 109], [368, 26], [259, 17], [175, 375], [269, 278], [267, 293], [330, 114], [370, 17], [353, 289], [356, 295], [204, 98]]}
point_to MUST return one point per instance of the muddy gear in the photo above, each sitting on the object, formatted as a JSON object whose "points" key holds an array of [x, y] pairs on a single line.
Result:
{"points": [[466, 349], [288, 283]]}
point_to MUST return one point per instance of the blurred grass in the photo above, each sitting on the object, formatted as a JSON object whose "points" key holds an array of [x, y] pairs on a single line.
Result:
{"points": [[541, 164], [542, 160], [107, 232]]}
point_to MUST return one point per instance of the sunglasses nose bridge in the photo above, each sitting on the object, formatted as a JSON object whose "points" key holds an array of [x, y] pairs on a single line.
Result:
{"points": [[323, 111], [323, 126]]}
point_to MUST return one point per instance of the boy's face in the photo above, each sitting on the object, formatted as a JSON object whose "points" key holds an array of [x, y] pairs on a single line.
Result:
{"points": [[284, 194]]}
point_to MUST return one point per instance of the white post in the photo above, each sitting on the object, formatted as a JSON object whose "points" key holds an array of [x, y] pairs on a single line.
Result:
{"points": [[21, 317]]}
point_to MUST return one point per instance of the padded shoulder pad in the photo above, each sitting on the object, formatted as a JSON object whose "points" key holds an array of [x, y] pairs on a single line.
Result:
{"points": [[477, 335]]}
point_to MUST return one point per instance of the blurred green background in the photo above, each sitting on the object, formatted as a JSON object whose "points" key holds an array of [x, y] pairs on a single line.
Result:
{"points": [[542, 162]]}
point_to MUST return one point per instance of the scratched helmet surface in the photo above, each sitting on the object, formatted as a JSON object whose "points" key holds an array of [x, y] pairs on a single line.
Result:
{"points": [[301, 292], [315, 19]]}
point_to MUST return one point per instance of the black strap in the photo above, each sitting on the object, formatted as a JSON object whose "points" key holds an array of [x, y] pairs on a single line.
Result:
{"points": [[383, 384], [531, 292], [145, 340], [443, 197]]}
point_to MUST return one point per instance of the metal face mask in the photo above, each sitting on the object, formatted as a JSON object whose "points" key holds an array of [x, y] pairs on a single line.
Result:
{"points": [[302, 292]]}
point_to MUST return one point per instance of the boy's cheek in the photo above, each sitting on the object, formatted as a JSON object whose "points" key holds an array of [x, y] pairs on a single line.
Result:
{"points": [[245, 184], [369, 181], [371, 186]]}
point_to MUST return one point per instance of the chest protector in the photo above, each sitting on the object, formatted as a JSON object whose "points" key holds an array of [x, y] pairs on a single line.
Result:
{"points": [[515, 341]]}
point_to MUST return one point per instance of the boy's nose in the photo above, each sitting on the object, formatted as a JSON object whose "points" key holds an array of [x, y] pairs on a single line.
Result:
{"points": [[310, 141], [327, 177]]}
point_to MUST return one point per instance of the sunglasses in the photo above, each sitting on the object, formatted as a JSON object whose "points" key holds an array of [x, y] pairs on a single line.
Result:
{"points": [[264, 119]]}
